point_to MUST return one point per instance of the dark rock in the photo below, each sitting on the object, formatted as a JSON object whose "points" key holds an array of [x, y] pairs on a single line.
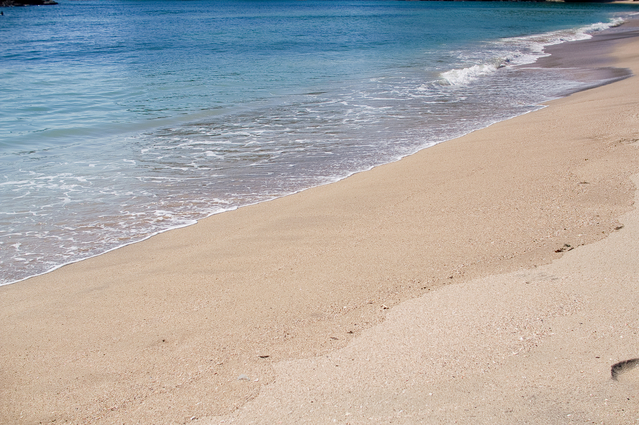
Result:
{"points": [[9, 3]]}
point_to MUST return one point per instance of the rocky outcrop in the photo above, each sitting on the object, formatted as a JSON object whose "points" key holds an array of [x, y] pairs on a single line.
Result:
{"points": [[8, 3]]}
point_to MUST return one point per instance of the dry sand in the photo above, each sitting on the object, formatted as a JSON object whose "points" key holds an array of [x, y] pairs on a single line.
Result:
{"points": [[274, 313], [534, 346]]}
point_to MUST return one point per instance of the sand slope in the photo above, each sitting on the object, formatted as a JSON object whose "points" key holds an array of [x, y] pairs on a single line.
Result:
{"points": [[534, 346], [160, 331]]}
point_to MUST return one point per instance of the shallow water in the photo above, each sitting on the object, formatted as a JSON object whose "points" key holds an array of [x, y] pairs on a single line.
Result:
{"points": [[122, 119]]}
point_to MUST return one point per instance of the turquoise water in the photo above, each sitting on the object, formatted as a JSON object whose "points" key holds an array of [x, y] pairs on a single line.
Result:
{"points": [[122, 119]]}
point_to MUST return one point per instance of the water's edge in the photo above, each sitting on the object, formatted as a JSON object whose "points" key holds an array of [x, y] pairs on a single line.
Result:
{"points": [[609, 75]]}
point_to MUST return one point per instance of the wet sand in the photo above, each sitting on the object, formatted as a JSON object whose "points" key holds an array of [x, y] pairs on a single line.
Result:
{"points": [[502, 262]]}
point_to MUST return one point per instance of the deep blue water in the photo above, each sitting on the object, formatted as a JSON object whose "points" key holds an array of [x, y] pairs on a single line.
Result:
{"points": [[121, 119]]}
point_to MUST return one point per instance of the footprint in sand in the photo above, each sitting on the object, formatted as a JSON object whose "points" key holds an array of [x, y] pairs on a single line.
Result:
{"points": [[622, 371]]}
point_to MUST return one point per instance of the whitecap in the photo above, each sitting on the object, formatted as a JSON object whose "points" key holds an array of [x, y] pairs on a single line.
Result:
{"points": [[456, 77]]}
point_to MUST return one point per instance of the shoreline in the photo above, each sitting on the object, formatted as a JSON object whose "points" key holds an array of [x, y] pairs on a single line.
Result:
{"points": [[555, 343], [611, 74], [301, 276]]}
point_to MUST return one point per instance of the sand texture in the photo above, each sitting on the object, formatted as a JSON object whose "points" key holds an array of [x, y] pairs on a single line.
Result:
{"points": [[533, 346], [491, 278]]}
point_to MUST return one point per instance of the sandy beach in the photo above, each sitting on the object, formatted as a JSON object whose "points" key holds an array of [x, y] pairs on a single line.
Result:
{"points": [[491, 278]]}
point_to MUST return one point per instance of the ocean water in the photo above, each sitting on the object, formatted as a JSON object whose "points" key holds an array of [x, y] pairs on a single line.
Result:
{"points": [[120, 119]]}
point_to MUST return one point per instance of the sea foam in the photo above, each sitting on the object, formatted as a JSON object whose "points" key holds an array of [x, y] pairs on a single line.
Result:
{"points": [[523, 50]]}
